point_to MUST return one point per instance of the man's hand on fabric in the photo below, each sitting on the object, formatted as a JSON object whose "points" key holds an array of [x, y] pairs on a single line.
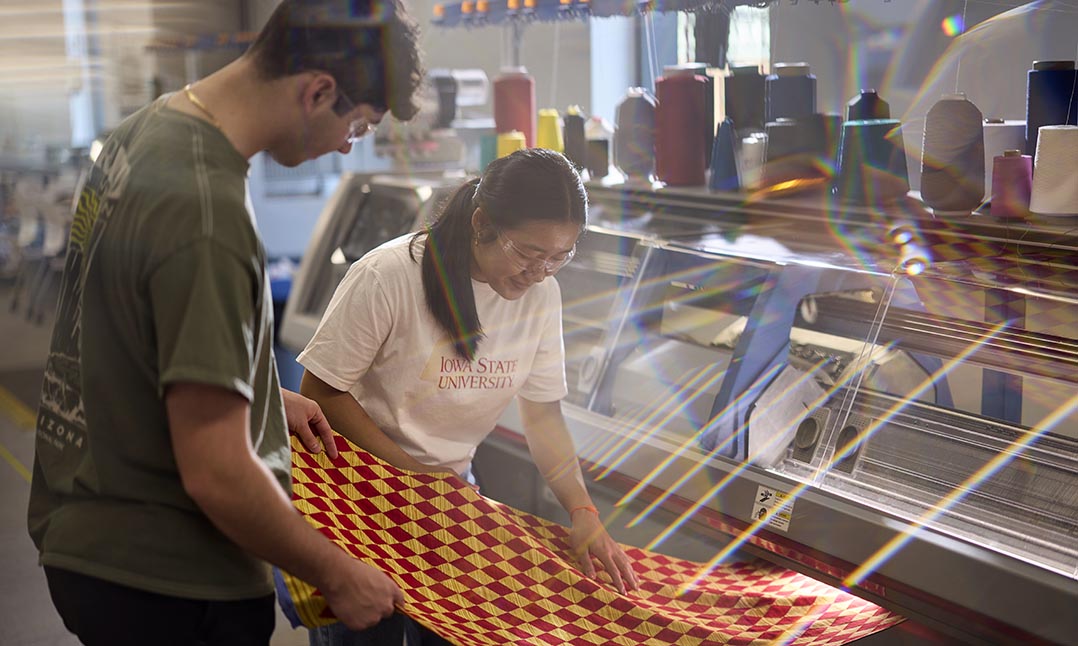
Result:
{"points": [[360, 595], [588, 538], [306, 421]]}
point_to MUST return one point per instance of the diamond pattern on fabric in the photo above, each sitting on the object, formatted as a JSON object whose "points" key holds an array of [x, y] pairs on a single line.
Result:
{"points": [[480, 573]]}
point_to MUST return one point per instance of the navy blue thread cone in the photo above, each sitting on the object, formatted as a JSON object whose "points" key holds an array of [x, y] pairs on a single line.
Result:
{"points": [[745, 97], [872, 162], [1050, 98], [723, 163], [867, 105]]}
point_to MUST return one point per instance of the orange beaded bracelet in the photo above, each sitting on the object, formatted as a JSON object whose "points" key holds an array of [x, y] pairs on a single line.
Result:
{"points": [[583, 507]]}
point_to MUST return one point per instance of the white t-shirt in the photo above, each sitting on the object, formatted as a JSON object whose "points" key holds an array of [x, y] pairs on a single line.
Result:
{"points": [[378, 341]]}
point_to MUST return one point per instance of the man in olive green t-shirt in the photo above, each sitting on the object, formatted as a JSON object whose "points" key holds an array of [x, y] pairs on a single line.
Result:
{"points": [[162, 468]]}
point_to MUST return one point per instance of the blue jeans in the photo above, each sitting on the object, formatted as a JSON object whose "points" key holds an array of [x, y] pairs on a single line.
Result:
{"points": [[398, 630]]}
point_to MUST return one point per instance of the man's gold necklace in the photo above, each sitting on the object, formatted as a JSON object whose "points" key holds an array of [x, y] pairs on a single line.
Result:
{"points": [[197, 102]]}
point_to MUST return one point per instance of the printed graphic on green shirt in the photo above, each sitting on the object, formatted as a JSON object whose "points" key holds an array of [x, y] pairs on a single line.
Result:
{"points": [[61, 424]]}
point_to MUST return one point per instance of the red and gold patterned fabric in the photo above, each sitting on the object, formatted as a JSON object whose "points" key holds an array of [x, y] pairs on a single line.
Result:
{"points": [[480, 573]]}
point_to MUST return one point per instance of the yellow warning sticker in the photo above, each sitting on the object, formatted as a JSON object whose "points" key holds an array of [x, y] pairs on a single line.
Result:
{"points": [[773, 507]]}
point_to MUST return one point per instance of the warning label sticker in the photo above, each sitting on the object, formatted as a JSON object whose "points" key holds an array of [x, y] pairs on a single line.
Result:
{"points": [[773, 507]]}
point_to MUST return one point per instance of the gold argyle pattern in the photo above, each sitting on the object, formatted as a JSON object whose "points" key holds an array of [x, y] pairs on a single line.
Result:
{"points": [[480, 573]]}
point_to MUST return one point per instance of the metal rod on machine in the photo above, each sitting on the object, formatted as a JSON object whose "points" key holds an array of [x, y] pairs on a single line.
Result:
{"points": [[512, 36], [1017, 351]]}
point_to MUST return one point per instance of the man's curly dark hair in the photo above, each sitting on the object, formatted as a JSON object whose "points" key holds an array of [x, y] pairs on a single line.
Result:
{"points": [[369, 47]]}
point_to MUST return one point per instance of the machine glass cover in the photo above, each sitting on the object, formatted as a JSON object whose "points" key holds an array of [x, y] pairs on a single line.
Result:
{"points": [[593, 300], [668, 360], [366, 220], [961, 414]]}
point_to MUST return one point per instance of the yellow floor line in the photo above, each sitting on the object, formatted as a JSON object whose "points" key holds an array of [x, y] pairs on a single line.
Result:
{"points": [[19, 467], [14, 409]]}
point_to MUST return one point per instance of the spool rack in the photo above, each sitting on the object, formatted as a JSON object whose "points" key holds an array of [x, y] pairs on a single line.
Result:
{"points": [[484, 13]]}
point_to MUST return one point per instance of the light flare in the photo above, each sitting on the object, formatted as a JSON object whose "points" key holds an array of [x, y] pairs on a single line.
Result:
{"points": [[727, 479], [953, 25], [651, 425], [990, 468], [839, 455], [698, 468]]}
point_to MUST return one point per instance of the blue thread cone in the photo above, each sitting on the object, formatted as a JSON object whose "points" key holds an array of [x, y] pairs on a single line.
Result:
{"points": [[872, 162], [723, 164], [867, 105], [1050, 98]]}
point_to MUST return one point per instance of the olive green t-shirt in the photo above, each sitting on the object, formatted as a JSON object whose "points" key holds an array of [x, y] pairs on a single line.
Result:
{"points": [[164, 282]]}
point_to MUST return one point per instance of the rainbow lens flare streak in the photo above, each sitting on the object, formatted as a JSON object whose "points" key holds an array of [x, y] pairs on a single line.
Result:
{"points": [[857, 248], [869, 430], [601, 453], [721, 484], [649, 428], [609, 446], [605, 446], [953, 25], [654, 473], [439, 264], [969, 484], [814, 612], [702, 464]]}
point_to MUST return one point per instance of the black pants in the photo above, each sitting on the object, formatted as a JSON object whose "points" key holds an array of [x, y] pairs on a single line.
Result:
{"points": [[392, 631], [101, 613]]}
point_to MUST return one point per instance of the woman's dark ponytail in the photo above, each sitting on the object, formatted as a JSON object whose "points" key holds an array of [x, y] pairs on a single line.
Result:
{"points": [[447, 271]]}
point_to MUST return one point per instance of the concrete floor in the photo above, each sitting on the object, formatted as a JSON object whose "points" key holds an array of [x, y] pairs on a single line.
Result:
{"points": [[27, 616]]}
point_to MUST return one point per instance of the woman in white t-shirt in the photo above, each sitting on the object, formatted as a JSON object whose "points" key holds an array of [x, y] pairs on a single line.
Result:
{"points": [[430, 336]]}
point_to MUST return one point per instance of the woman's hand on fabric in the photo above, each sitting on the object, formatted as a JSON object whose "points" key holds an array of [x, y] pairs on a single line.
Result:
{"points": [[306, 421], [588, 538]]}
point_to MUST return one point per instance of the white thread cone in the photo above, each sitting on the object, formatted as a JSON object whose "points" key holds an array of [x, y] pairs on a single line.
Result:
{"points": [[1055, 171]]}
